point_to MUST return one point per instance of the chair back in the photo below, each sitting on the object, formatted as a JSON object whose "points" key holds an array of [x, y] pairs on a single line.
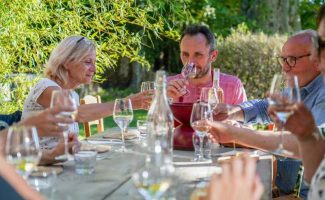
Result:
{"points": [[88, 99]]}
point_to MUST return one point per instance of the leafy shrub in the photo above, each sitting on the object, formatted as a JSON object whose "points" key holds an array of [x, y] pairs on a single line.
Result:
{"points": [[251, 57]]}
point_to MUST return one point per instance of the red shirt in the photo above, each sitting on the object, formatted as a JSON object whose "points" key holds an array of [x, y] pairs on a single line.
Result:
{"points": [[234, 92]]}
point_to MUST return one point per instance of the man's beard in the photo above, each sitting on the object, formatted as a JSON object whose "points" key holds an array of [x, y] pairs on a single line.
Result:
{"points": [[203, 72]]}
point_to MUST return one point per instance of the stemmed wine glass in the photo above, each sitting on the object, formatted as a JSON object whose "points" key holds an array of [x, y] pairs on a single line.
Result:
{"points": [[151, 183], [284, 92], [64, 98], [123, 115], [148, 85], [209, 96], [189, 71], [200, 111], [22, 149]]}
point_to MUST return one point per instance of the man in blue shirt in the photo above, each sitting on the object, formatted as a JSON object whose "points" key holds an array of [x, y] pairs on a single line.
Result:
{"points": [[296, 59]]}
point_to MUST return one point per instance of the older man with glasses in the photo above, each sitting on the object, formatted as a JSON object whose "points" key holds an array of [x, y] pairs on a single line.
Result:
{"points": [[296, 59]]}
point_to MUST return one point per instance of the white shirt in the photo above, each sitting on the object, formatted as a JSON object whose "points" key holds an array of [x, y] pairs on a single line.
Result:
{"points": [[31, 107]]}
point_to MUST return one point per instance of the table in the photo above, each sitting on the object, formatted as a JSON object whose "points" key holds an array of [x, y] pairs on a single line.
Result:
{"points": [[112, 178]]}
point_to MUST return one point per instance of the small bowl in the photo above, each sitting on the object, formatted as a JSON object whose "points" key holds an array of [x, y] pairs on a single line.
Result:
{"points": [[182, 112]]}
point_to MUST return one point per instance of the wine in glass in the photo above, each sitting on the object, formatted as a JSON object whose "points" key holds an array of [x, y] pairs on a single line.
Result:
{"points": [[189, 71], [22, 149], [210, 96], [151, 183], [284, 92], [148, 85], [64, 98], [123, 115], [200, 111]]}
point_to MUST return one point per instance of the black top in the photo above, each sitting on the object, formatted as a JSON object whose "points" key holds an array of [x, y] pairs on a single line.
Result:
{"points": [[7, 191]]}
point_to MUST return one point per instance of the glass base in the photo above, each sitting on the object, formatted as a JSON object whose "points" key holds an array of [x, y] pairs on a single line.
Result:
{"points": [[282, 152], [122, 149], [65, 157]]}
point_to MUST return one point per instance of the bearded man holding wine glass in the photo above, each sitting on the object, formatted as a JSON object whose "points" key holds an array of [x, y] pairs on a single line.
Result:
{"points": [[198, 52]]}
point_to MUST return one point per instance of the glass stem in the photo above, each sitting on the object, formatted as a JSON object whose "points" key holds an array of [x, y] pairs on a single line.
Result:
{"points": [[201, 146], [65, 137], [122, 134], [281, 137]]}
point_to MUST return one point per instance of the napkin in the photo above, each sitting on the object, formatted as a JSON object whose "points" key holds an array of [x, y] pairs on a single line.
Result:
{"points": [[86, 146], [40, 170], [129, 135]]}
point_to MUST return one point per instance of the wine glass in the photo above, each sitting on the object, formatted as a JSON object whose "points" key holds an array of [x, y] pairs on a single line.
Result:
{"points": [[200, 111], [64, 98], [148, 85], [123, 115], [151, 183], [284, 92], [189, 71], [22, 149], [210, 96]]}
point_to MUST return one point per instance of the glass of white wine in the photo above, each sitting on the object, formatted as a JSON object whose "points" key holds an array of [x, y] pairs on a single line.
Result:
{"points": [[123, 115], [22, 149], [200, 111], [151, 183], [284, 92], [65, 98]]}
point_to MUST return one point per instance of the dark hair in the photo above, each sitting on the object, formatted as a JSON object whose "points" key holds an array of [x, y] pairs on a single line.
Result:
{"points": [[196, 29], [320, 15], [321, 44]]}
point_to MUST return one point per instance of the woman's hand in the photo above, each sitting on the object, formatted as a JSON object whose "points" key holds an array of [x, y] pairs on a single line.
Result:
{"points": [[46, 121], [141, 100], [301, 122], [237, 181], [218, 132]]}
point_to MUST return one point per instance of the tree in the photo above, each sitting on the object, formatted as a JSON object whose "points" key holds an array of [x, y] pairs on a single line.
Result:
{"points": [[30, 29]]}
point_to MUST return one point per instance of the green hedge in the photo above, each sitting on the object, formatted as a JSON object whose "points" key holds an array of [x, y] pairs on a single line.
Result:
{"points": [[251, 57]]}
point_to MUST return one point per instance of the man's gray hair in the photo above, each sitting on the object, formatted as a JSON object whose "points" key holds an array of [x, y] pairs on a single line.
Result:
{"points": [[313, 37]]}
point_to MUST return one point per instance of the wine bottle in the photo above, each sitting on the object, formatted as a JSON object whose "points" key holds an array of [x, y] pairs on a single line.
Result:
{"points": [[216, 84], [160, 124]]}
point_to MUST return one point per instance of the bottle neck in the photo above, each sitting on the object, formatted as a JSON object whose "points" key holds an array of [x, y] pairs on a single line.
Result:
{"points": [[216, 78]]}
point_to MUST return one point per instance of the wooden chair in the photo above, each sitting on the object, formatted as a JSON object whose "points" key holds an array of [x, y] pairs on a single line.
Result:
{"points": [[88, 99]]}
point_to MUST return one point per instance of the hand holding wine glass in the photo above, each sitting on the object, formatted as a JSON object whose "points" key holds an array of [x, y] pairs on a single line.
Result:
{"points": [[284, 92], [22, 149], [65, 98], [189, 71], [123, 115]]}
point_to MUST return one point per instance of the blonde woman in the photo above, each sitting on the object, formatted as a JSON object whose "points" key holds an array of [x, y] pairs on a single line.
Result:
{"points": [[71, 64]]}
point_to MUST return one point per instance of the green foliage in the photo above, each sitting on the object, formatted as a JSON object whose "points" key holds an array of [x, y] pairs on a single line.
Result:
{"points": [[308, 11], [252, 57], [30, 29]]}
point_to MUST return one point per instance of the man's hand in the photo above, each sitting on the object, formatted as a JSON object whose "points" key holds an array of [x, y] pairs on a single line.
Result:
{"points": [[176, 88], [227, 112]]}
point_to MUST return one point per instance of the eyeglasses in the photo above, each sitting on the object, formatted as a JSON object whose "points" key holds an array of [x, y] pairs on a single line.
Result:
{"points": [[290, 60]]}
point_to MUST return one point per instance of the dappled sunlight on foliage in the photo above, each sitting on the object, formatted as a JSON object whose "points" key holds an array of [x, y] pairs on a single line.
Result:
{"points": [[252, 57]]}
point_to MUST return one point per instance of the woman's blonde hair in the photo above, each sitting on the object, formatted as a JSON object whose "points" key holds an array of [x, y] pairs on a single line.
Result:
{"points": [[71, 49]]}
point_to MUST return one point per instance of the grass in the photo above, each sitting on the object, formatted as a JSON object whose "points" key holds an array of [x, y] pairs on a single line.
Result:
{"points": [[111, 95]]}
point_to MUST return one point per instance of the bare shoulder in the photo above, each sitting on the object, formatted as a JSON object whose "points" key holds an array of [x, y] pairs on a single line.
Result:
{"points": [[45, 98]]}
